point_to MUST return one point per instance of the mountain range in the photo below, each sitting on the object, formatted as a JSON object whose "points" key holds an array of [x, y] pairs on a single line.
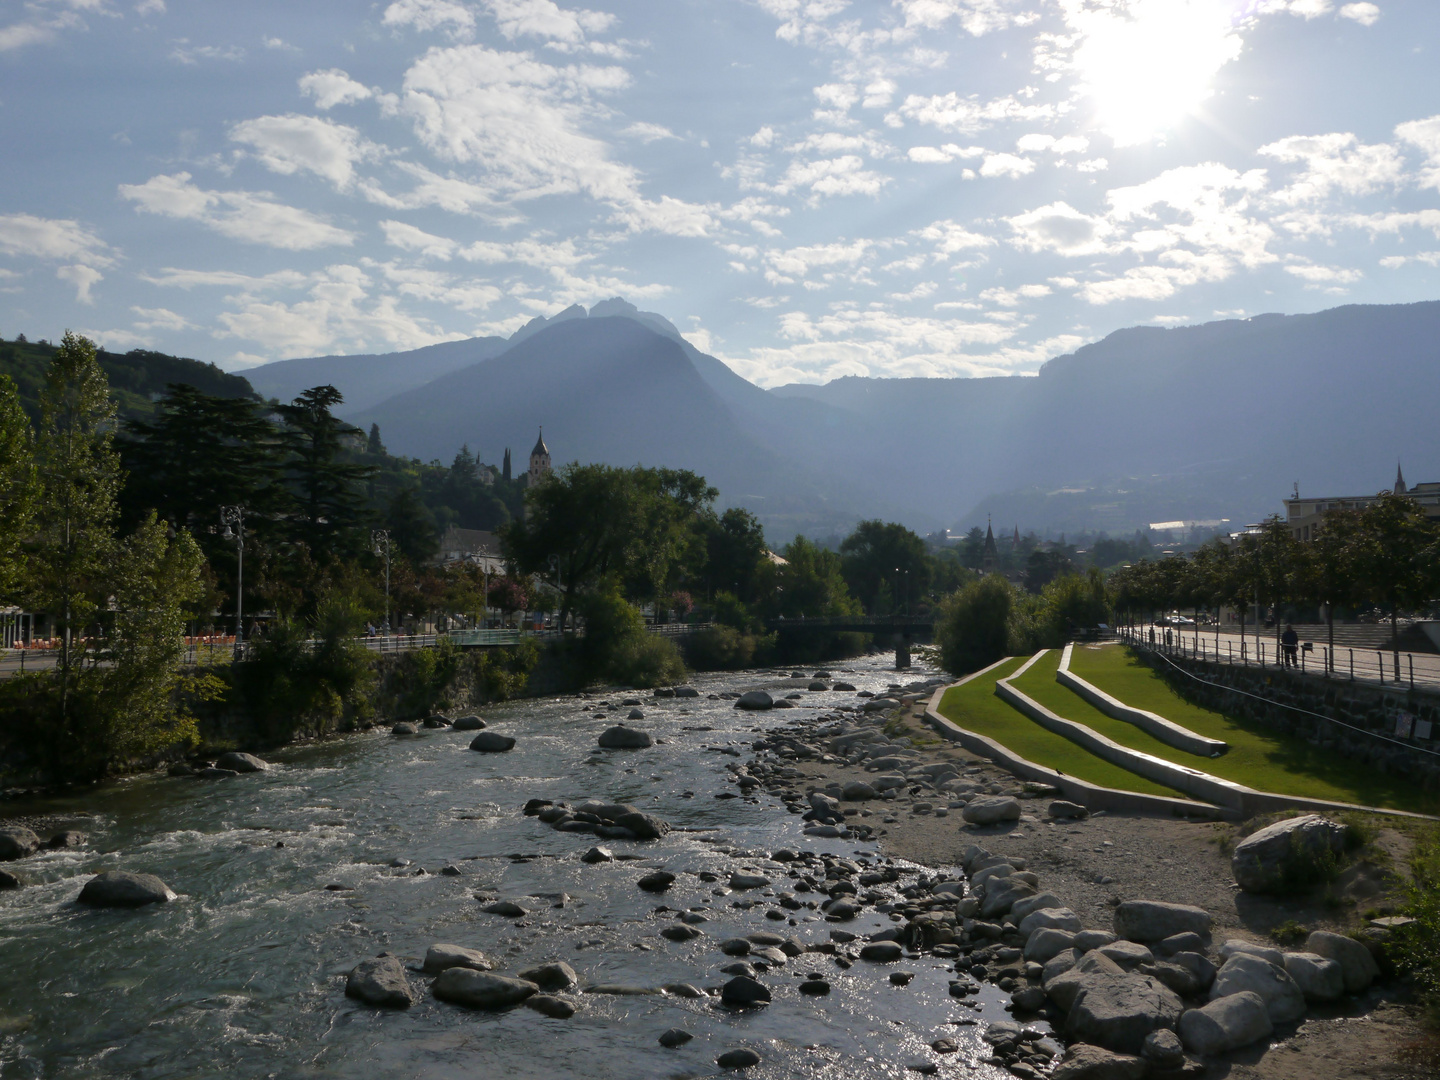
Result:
{"points": [[1214, 421]]}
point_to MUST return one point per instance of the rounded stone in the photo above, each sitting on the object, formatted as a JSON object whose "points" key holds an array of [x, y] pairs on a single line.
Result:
{"points": [[738, 1059], [620, 737], [743, 990], [491, 742], [674, 1037], [120, 888]]}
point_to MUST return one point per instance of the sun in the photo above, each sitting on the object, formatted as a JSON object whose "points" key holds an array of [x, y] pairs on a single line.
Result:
{"points": [[1148, 64]]}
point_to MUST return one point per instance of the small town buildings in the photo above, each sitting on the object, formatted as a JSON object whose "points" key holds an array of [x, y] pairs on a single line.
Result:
{"points": [[473, 546], [1303, 515]]}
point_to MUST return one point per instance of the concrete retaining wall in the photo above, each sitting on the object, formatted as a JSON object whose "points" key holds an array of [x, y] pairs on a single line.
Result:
{"points": [[1167, 731]]}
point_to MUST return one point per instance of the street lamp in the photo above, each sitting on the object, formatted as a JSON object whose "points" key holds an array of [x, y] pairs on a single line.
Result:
{"points": [[233, 518], [906, 594], [380, 541]]}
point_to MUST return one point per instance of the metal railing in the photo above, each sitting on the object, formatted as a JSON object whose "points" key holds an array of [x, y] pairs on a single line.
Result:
{"points": [[1383, 667], [1168, 654]]}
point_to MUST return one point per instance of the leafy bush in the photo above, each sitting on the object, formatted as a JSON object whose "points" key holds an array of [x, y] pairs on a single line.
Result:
{"points": [[293, 687], [616, 646], [1416, 947], [646, 661], [974, 625], [424, 679]]}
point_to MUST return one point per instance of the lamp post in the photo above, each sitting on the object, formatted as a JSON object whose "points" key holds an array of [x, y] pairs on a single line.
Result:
{"points": [[906, 579], [380, 541], [233, 518]]}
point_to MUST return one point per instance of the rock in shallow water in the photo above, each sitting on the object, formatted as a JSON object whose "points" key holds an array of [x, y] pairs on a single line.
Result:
{"points": [[622, 738], [479, 990], [469, 723], [658, 881], [241, 763], [491, 742], [674, 1037], [743, 990], [16, 843], [120, 888], [10, 881], [738, 1059], [440, 958], [382, 982], [554, 976], [755, 699], [598, 855], [403, 728], [551, 1005]]}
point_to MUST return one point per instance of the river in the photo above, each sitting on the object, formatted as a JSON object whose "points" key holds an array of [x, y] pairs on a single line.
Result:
{"points": [[243, 975]]}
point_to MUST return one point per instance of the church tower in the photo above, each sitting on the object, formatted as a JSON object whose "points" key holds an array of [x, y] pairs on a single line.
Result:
{"points": [[1400, 488], [989, 555], [539, 460], [505, 469]]}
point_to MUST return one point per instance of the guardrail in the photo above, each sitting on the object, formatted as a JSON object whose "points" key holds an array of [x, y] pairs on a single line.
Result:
{"points": [[1380, 666]]}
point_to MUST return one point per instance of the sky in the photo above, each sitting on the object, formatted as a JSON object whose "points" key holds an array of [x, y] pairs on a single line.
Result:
{"points": [[808, 189]]}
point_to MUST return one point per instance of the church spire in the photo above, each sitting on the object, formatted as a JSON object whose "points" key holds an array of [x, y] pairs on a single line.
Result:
{"points": [[1400, 488]]}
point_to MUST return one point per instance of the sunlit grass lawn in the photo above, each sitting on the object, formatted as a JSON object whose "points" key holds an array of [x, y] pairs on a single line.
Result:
{"points": [[975, 707], [1259, 757]]}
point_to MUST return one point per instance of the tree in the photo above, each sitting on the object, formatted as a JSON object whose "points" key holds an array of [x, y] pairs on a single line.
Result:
{"points": [[586, 523], [135, 714], [1393, 558], [734, 548], [1329, 572], [329, 501], [80, 471], [19, 486], [810, 584], [880, 553], [973, 630], [411, 526]]}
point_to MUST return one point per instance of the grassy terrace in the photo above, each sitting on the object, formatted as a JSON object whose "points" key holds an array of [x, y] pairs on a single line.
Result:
{"points": [[1258, 757], [975, 707]]}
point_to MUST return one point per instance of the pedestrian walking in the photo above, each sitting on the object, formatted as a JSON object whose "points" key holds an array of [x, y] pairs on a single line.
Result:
{"points": [[1290, 644]]}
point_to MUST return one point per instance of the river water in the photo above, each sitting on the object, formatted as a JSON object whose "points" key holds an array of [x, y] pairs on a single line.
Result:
{"points": [[243, 975]]}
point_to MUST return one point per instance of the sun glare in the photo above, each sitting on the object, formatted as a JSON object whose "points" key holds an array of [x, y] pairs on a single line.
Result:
{"points": [[1148, 64]]}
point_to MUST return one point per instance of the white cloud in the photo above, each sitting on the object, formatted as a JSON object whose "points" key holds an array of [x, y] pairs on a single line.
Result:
{"points": [[975, 17], [82, 277], [1006, 165], [451, 193], [521, 121], [425, 15], [1323, 275], [950, 238], [332, 87], [1337, 161], [951, 112], [409, 238], [764, 137], [339, 314], [1424, 135], [250, 217], [843, 175], [150, 7], [193, 54], [1366, 14], [1059, 227], [798, 262], [838, 96], [1069, 144], [648, 133], [119, 340], [58, 239], [545, 19], [936, 155], [160, 319], [1012, 297], [279, 45], [290, 144]]}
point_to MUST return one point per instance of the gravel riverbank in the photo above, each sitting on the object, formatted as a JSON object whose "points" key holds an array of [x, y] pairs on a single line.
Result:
{"points": [[1093, 864]]}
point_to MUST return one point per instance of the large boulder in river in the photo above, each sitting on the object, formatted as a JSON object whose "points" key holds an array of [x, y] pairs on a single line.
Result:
{"points": [[403, 727], [644, 826], [492, 742], [1294, 852], [554, 976], [10, 881], [381, 981], [120, 888], [440, 958], [469, 723], [16, 843], [237, 762], [621, 737], [479, 990], [755, 699]]}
